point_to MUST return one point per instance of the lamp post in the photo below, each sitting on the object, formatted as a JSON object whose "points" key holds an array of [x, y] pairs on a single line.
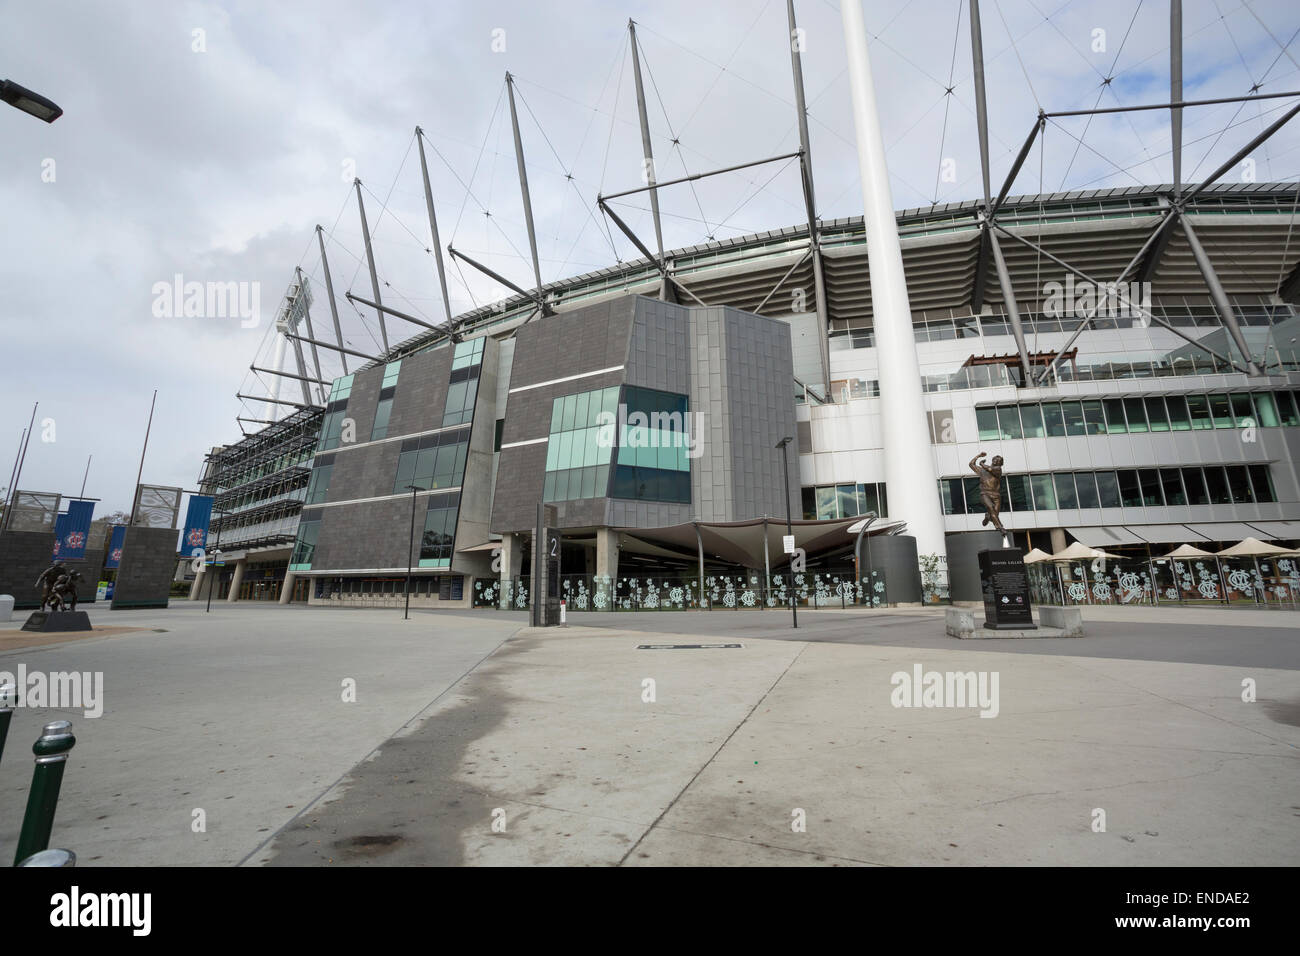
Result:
{"points": [[24, 99], [789, 529], [410, 548], [216, 554]]}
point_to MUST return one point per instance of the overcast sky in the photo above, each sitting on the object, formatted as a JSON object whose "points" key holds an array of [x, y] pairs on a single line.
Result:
{"points": [[208, 140]]}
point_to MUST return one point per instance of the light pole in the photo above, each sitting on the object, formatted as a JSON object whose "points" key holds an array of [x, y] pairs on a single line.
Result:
{"points": [[410, 548], [789, 529], [216, 554], [24, 99]]}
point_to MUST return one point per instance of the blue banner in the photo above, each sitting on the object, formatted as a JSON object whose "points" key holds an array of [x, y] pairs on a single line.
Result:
{"points": [[114, 556], [194, 533], [76, 531], [60, 529]]}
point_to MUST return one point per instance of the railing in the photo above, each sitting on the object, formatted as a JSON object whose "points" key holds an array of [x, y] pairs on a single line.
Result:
{"points": [[721, 592]]}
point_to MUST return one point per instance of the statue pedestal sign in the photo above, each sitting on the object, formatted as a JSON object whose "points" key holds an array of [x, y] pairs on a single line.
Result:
{"points": [[54, 621], [1006, 590]]}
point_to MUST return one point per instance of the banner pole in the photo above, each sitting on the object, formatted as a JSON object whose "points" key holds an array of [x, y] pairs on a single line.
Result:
{"points": [[135, 501]]}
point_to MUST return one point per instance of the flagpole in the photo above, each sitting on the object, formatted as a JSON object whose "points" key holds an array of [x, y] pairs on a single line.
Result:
{"points": [[22, 457], [85, 476], [135, 501]]}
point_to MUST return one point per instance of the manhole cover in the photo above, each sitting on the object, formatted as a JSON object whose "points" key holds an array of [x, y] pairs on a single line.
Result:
{"points": [[682, 647]]}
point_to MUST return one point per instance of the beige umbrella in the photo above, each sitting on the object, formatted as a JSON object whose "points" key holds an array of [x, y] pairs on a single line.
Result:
{"points": [[1254, 549], [1036, 555], [1081, 552], [1189, 551]]}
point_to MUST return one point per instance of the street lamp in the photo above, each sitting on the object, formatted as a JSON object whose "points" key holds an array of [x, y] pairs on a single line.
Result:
{"points": [[410, 547], [24, 99], [789, 529], [216, 555]]}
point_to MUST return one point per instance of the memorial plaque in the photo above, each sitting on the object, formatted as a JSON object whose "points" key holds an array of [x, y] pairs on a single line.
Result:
{"points": [[1006, 590]]}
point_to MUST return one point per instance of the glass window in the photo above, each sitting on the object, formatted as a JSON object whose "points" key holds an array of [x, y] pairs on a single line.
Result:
{"points": [[1044, 492], [1094, 419], [1009, 421], [1179, 419], [871, 500], [1262, 483], [1130, 492], [1065, 492], [1054, 420], [950, 493], [1086, 482], [1156, 415], [809, 504], [1019, 496], [1217, 483], [1135, 409], [1221, 411], [1199, 407], [1266, 410], [304, 548], [971, 489], [847, 496], [319, 485], [382, 411], [826, 503], [1242, 409], [1172, 483], [1149, 479], [1115, 424], [1072, 415], [1108, 489], [1031, 415], [1194, 483], [1286, 407], [987, 421], [1239, 485]]}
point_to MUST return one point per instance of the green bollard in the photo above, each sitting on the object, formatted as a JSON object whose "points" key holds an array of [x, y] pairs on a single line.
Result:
{"points": [[51, 755], [8, 697]]}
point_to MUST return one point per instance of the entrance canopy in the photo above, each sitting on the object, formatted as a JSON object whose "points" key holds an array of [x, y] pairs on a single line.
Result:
{"points": [[741, 542]]}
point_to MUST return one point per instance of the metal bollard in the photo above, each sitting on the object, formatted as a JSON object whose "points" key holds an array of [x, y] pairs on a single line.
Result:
{"points": [[51, 858], [8, 697], [51, 755]]}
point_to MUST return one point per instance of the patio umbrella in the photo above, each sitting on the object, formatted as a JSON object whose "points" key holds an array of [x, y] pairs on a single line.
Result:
{"points": [[1254, 549], [1185, 552], [1081, 552], [1036, 555]]}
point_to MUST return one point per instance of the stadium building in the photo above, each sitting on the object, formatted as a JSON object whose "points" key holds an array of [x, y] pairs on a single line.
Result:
{"points": [[1134, 416]]}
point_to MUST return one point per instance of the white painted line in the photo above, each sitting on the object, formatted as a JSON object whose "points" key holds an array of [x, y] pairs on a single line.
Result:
{"points": [[568, 378]]}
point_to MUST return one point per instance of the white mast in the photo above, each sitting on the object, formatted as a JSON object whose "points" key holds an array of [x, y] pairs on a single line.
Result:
{"points": [[910, 479]]}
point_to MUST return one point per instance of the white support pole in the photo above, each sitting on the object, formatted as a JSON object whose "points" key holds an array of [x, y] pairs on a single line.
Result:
{"points": [[910, 477], [273, 393]]}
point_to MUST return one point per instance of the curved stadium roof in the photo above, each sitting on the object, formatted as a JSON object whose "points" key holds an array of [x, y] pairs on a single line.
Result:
{"points": [[1247, 229]]}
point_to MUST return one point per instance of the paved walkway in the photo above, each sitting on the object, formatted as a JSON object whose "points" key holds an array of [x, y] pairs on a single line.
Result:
{"points": [[552, 739]]}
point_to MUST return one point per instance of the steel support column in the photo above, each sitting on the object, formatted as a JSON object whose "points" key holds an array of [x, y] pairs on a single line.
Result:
{"points": [[329, 293], [1218, 296], [370, 261]]}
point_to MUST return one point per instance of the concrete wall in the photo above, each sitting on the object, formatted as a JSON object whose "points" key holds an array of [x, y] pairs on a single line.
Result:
{"points": [[964, 582], [144, 578], [23, 556]]}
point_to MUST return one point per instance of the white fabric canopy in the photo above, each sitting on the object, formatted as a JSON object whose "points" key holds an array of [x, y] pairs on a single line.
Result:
{"points": [[1251, 548]]}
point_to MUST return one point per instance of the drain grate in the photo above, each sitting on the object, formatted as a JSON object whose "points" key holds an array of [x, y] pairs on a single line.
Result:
{"points": [[682, 647]]}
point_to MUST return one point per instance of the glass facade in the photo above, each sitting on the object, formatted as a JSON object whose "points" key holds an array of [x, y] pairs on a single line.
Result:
{"points": [[1153, 413], [439, 534], [432, 461], [462, 388], [844, 501], [336, 410], [304, 547], [385, 407], [653, 462], [1125, 488], [579, 449]]}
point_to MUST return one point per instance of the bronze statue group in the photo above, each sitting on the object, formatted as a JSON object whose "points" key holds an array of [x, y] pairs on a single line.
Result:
{"points": [[58, 586]]}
